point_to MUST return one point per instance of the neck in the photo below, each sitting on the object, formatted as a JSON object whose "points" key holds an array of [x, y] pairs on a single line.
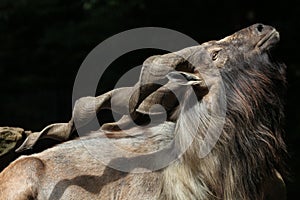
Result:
{"points": [[179, 182]]}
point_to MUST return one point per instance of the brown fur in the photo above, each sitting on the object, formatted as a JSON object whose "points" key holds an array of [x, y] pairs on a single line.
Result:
{"points": [[242, 165]]}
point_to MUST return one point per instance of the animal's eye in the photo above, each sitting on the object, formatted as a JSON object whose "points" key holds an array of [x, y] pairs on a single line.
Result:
{"points": [[214, 55]]}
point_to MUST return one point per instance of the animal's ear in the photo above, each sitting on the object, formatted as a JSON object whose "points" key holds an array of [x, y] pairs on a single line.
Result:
{"points": [[184, 78]]}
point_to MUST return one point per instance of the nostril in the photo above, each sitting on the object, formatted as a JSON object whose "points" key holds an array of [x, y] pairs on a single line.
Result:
{"points": [[260, 27]]}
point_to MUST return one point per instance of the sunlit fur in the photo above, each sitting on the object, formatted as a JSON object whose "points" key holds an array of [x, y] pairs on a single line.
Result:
{"points": [[250, 146], [243, 165]]}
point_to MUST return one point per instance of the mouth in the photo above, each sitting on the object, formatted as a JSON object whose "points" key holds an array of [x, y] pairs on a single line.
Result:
{"points": [[269, 40]]}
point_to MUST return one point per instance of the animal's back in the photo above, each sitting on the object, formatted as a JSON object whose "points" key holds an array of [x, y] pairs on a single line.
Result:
{"points": [[72, 171]]}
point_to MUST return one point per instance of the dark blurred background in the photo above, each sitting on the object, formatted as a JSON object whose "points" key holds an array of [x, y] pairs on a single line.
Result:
{"points": [[43, 43]]}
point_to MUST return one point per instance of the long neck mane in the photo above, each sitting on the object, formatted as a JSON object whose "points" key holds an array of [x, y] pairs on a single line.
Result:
{"points": [[250, 146]]}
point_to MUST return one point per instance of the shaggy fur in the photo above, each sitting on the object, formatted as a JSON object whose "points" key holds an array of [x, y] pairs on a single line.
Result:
{"points": [[250, 145], [243, 164]]}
